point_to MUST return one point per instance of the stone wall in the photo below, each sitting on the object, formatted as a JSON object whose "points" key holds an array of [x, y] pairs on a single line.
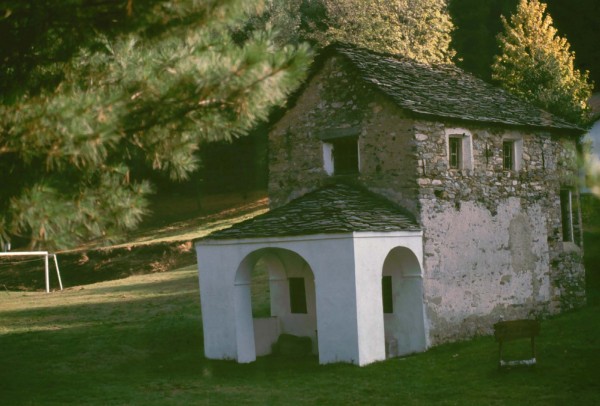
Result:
{"points": [[493, 238], [336, 99], [493, 243]]}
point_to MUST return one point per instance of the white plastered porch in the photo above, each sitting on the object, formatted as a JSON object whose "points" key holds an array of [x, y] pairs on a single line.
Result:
{"points": [[344, 316]]}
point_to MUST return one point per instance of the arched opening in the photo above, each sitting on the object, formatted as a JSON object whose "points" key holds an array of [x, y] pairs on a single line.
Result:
{"points": [[274, 295], [402, 291], [260, 289]]}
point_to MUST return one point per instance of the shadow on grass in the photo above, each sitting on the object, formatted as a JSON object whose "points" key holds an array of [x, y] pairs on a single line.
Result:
{"points": [[591, 261], [176, 285]]}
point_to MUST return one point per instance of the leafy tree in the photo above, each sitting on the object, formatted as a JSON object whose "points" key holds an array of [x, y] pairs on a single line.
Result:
{"points": [[419, 29], [537, 65], [76, 138]]}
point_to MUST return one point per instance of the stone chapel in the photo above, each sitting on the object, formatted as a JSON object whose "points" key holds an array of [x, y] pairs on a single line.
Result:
{"points": [[411, 205]]}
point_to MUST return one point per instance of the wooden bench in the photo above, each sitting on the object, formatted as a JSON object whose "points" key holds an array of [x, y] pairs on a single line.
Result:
{"points": [[513, 330]]}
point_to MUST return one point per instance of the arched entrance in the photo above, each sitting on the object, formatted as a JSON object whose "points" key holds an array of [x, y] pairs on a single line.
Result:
{"points": [[292, 298], [402, 290]]}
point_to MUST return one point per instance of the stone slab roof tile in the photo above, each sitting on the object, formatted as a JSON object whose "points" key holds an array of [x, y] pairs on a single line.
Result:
{"points": [[447, 91], [332, 209]]}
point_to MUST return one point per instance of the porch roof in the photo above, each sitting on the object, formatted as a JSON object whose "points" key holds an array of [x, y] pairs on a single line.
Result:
{"points": [[331, 209]]}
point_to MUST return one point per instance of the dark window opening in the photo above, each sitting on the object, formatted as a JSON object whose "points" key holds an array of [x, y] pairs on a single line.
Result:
{"points": [[297, 295], [455, 148], [388, 298], [345, 156], [508, 155], [566, 214]]}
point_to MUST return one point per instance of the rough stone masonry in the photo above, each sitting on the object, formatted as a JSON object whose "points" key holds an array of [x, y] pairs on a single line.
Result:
{"points": [[494, 245]]}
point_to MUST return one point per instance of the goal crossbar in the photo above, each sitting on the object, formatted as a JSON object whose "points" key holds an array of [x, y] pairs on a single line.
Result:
{"points": [[46, 256]]}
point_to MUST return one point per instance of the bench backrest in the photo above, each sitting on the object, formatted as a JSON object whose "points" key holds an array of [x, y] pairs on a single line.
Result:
{"points": [[514, 329]]}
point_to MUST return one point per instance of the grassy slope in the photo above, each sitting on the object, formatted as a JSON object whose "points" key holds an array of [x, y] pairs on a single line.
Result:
{"points": [[163, 242], [139, 341], [592, 266]]}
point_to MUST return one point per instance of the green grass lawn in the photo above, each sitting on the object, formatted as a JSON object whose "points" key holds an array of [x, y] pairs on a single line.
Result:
{"points": [[139, 341]]}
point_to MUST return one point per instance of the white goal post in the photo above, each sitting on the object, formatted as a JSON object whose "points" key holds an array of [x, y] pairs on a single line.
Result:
{"points": [[44, 254]]}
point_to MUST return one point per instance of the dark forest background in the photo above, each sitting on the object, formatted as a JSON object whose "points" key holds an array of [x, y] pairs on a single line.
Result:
{"points": [[241, 165]]}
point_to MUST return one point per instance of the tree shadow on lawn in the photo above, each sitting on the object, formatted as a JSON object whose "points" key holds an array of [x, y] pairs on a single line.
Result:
{"points": [[182, 284], [121, 352], [76, 349]]}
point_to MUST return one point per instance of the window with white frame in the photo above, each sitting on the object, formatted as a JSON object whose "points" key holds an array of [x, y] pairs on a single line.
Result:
{"points": [[508, 155], [455, 152], [512, 152], [566, 211], [460, 148], [341, 156]]}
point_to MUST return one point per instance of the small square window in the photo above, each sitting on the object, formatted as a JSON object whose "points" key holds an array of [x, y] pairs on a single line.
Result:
{"points": [[508, 155], [297, 295], [455, 152], [388, 298]]}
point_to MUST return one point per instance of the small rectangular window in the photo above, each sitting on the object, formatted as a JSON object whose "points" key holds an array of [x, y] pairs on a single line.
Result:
{"points": [[455, 150], [388, 298], [508, 155], [297, 295], [459, 145], [345, 156], [566, 212]]}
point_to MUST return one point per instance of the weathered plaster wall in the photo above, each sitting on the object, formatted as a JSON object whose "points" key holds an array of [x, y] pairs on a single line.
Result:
{"points": [[337, 99], [493, 238]]}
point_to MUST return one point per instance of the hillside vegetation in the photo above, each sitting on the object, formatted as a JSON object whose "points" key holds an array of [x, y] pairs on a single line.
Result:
{"points": [[164, 242]]}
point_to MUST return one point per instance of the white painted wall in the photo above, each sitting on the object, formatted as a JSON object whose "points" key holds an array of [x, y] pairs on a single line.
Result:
{"points": [[480, 265], [218, 263], [303, 325], [266, 332], [407, 326], [328, 166], [347, 271]]}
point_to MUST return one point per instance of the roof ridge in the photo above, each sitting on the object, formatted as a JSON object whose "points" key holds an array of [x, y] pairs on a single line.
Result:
{"points": [[447, 91]]}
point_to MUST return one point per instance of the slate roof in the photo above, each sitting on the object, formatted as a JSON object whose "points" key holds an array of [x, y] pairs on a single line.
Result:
{"points": [[447, 91], [331, 209]]}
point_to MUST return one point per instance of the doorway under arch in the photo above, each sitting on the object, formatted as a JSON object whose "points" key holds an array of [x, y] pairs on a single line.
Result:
{"points": [[292, 299], [402, 291]]}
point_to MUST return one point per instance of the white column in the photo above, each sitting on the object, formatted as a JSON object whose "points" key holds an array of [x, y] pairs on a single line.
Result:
{"points": [[336, 300], [47, 271]]}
